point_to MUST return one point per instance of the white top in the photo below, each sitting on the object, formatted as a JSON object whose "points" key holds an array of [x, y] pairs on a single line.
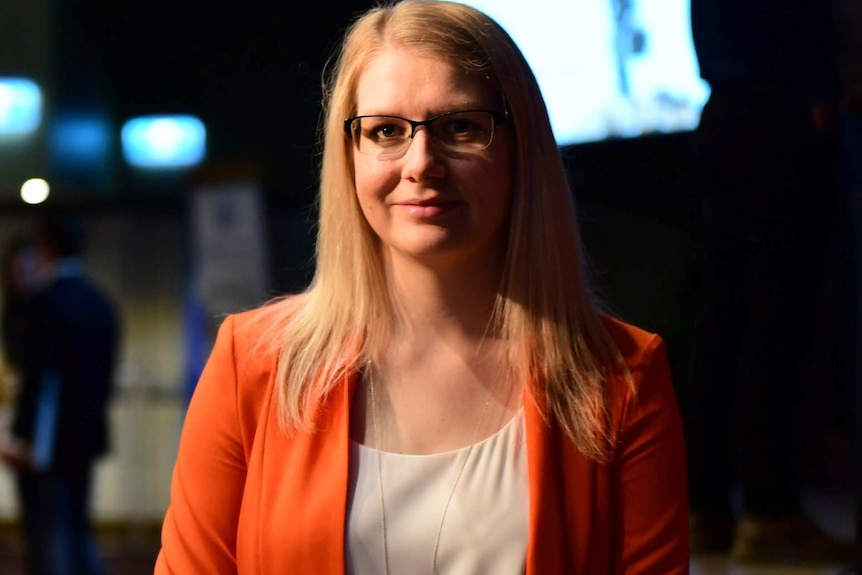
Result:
{"points": [[486, 525]]}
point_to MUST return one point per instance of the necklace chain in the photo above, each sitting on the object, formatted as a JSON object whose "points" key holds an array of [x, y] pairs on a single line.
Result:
{"points": [[379, 470], [378, 441]]}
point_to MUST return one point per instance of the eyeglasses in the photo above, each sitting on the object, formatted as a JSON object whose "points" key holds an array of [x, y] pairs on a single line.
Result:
{"points": [[388, 137]]}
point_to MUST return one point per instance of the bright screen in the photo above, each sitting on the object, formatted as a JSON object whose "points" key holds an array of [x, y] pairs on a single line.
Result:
{"points": [[608, 68]]}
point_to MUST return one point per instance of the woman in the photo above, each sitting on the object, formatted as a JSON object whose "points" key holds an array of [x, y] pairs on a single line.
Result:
{"points": [[445, 397]]}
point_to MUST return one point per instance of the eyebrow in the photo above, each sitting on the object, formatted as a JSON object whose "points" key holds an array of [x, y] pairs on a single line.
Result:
{"points": [[432, 113]]}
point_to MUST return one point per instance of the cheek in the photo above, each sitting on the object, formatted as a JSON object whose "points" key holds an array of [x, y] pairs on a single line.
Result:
{"points": [[372, 181], [373, 184]]}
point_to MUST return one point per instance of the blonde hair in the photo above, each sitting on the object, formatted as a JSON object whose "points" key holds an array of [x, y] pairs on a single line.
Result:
{"points": [[544, 306]]}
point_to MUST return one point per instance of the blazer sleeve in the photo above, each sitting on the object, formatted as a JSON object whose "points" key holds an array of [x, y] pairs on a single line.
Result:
{"points": [[200, 525], [652, 472]]}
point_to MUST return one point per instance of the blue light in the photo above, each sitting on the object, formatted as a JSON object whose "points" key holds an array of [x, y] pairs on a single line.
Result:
{"points": [[164, 141], [20, 106], [80, 139]]}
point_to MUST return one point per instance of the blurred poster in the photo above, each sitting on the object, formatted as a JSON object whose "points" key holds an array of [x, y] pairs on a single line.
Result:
{"points": [[228, 263]]}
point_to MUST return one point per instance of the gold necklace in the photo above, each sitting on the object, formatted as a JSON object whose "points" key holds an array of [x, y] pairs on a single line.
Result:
{"points": [[378, 441]]}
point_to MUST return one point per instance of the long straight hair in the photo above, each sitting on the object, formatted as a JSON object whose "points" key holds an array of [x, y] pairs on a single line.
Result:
{"points": [[545, 307]]}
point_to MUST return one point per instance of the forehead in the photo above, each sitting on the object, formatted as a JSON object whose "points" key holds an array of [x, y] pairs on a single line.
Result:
{"points": [[403, 82]]}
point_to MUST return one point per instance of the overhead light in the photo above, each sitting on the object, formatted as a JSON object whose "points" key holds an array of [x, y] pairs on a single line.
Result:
{"points": [[20, 106], [82, 139], [177, 141], [35, 191]]}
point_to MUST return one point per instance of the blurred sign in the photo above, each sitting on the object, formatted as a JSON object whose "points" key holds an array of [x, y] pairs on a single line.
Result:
{"points": [[229, 260]]}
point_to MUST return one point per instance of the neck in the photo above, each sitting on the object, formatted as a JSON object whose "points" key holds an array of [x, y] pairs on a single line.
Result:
{"points": [[436, 302]]}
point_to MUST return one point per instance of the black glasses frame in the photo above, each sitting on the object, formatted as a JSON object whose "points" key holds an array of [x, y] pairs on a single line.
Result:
{"points": [[499, 118]]}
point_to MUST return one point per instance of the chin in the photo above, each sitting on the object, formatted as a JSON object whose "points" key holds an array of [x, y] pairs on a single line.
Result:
{"points": [[442, 249]]}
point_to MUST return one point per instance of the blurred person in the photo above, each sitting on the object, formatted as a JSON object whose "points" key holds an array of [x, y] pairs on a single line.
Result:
{"points": [[765, 160], [19, 281], [60, 419], [19, 277], [447, 396]]}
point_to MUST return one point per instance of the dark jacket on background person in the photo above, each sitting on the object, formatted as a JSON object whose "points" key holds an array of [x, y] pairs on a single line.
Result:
{"points": [[74, 335]]}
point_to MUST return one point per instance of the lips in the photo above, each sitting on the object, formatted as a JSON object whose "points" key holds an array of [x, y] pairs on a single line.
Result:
{"points": [[426, 202], [427, 208]]}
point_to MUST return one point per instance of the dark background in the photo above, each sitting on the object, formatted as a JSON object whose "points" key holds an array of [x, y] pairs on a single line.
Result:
{"points": [[252, 73]]}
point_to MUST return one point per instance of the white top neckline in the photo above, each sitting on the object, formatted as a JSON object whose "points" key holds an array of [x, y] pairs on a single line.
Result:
{"points": [[450, 452], [487, 520]]}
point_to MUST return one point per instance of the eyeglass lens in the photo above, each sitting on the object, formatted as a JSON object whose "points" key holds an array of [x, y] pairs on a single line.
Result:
{"points": [[390, 135]]}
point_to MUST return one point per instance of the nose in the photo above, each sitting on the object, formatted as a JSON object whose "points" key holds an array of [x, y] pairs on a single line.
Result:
{"points": [[422, 159]]}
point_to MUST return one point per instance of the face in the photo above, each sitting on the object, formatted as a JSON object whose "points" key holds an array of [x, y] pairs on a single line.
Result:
{"points": [[431, 203], [23, 272]]}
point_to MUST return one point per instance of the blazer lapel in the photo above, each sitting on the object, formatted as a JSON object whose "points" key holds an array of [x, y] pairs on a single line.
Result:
{"points": [[307, 503], [545, 542], [570, 513]]}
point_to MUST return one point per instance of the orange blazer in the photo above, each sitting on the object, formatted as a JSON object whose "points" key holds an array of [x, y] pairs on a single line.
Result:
{"points": [[247, 498]]}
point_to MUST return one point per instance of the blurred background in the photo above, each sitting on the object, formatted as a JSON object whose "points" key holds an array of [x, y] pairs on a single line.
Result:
{"points": [[183, 132]]}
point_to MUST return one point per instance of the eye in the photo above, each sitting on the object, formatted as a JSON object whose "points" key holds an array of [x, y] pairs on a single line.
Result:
{"points": [[387, 131], [463, 128], [384, 130]]}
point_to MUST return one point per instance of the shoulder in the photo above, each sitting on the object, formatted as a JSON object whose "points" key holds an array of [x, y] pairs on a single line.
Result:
{"points": [[266, 321], [85, 297], [256, 336], [646, 394], [79, 289], [238, 380], [637, 346], [645, 358]]}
